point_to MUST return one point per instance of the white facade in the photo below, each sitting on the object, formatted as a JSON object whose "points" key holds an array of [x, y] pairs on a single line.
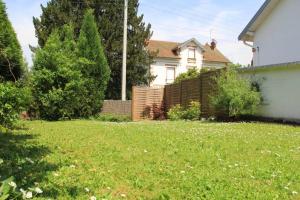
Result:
{"points": [[277, 38], [177, 58], [167, 69], [280, 91]]}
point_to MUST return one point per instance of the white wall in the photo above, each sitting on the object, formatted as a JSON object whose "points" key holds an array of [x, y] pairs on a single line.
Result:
{"points": [[278, 36], [159, 67], [280, 91]]}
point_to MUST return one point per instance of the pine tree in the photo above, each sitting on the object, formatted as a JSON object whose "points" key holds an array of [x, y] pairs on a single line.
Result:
{"points": [[11, 59], [109, 18], [96, 69]]}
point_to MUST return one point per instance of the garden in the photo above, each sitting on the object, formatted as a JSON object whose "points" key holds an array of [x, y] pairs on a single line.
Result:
{"points": [[55, 144], [83, 159]]}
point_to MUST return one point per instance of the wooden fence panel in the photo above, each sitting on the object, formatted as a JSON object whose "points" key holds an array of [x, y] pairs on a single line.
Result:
{"points": [[191, 91], [208, 90], [145, 100]]}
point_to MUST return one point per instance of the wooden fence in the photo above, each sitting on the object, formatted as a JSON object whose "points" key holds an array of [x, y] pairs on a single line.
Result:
{"points": [[200, 89], [146, 99], [117, 107]]}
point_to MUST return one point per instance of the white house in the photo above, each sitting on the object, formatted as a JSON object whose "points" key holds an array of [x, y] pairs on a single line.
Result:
{"points": [[274, 32], [174, 58]]}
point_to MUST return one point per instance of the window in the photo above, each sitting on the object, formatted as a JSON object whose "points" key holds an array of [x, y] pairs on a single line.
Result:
{"points": [[170, 74], [192, 53]]}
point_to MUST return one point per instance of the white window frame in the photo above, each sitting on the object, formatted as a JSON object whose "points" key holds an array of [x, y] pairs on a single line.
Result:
{"points": [[168, 67], [193, 52]]}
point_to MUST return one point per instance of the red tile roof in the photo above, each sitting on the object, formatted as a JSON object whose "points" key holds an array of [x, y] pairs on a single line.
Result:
{"points": [[167, 50]]}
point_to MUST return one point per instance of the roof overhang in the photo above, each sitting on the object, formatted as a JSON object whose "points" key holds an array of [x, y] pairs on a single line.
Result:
{"points": [[257, 20]]}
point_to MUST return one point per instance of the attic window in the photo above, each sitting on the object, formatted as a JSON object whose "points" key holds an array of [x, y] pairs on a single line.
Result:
{"points": [[192, 53]]}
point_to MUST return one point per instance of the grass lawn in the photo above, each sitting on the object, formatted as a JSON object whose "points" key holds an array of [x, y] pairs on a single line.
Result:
{"points": [[155, 160]]}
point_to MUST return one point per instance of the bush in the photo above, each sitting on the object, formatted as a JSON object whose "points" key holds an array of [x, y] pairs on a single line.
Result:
{"points": [[113, 118], [175, 113], [57, 85], [192, 112], [190, 74], [235, 95], [13, 100]]}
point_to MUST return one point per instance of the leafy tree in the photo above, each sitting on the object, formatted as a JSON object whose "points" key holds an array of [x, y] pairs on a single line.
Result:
{"points": [[95, 68], [11, 60], [235, 95], [190, 74], [109, 19], [57, 84]]}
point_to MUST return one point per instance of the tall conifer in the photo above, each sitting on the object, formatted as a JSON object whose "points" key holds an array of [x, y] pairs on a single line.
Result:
{"points": [[11, 59]]}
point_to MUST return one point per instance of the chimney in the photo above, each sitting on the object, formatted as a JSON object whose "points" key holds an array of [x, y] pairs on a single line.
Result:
{"points": [[213, 44]]}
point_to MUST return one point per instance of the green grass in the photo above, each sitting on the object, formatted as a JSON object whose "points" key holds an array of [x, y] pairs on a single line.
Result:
{"points": [[156, 160]]}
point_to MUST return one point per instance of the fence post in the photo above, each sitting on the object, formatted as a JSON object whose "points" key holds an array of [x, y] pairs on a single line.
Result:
{"points": [[132, 103]]}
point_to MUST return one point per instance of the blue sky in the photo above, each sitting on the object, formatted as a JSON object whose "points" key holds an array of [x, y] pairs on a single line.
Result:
{"points": [[172, 20]]}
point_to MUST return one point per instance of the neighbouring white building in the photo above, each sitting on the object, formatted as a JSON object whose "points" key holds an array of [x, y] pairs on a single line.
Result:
{"points": [[274, 31], [175, 58], [273, 34]]}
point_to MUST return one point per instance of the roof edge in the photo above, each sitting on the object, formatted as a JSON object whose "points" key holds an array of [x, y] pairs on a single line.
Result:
{"points": [[280, 65], [256, 16]]}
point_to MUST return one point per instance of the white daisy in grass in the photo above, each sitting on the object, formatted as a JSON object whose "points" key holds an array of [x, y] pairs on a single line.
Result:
{"points": [[26, 195], [29, 160], [294, 192], [87, 189], [123, 195], [145, 151], [13, 184], [38, 190], [93, 198]]}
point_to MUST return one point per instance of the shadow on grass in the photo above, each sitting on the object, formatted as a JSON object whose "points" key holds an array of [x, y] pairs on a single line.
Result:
{"points": [[22, 159]]}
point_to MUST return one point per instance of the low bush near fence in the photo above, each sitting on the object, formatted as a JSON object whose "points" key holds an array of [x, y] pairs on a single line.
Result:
{"points": [[192, 112], [112, 118], [235, 96], [13, 101]]}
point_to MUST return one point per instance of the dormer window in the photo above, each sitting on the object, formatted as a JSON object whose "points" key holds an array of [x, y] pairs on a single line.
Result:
{"points": [[192, 53]]}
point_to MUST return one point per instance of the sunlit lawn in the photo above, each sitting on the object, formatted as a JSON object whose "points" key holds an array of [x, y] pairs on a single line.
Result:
{"points": [[157, 160]]}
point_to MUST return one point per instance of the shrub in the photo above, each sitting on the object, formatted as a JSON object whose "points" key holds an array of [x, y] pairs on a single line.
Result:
{"points": [[190, 74], [112, 118], [235, 95], [192, 112], [56, 83], [13, 100], [175, 113]]}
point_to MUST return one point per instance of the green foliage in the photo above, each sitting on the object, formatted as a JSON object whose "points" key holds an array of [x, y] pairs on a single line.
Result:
{"points": [[109, 19], [13, 100], [168, 160], [59, 89], [192, 112], [95, 68], [6, 190], [190, 74], [175, 113], [235, 95], [112, 118], [11, 61]]}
